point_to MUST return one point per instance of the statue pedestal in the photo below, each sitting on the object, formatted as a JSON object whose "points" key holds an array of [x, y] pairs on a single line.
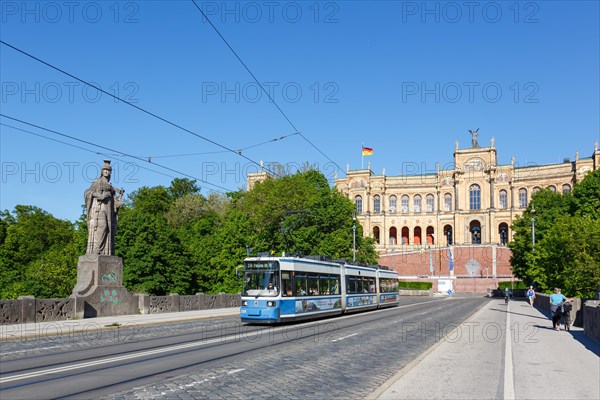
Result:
{"points": [[99, 291]]}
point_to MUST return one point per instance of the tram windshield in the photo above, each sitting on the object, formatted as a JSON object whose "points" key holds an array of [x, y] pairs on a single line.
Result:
{"points": [[261, 278]]}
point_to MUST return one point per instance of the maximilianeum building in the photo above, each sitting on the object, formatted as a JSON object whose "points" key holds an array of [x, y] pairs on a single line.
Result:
{"points": [[472, 203], [451, 227]]}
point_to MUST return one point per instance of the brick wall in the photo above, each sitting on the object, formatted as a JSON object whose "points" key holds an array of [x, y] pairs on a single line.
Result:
{"points": [[469, 261]]}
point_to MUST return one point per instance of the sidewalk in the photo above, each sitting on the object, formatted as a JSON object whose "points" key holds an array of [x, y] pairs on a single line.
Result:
{"points": [[470, 362], [42, 329]]}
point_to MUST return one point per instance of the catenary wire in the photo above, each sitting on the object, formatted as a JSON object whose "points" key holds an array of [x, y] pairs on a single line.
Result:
{"points": [[114, 151], [81, 148], [224, 151], [134, 106], [262, 87]]}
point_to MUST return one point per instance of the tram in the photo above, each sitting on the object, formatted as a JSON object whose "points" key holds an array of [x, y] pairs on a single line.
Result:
{"points": [[281, 289]]}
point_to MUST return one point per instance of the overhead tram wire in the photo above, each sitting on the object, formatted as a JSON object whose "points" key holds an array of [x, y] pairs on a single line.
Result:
{"points": [[134, 106], [263, 89], [115, 151], [223, 151], [81, 148]]}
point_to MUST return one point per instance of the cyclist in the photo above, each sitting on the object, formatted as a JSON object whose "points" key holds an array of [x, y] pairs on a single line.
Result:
{"points": [[507, 295]]}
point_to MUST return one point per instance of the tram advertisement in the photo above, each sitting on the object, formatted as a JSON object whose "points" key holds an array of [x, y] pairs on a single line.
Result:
{"points": [[360, 300], [317, 305]]}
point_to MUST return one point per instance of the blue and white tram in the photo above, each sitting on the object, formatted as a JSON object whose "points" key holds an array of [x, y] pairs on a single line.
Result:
{"points": [[280, 289]]}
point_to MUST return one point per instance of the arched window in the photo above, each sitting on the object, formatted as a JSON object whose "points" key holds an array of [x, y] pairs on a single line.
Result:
{"points": [[393, 235], [475, 228], [358, 202], [503, 231], [475, 197], [393, 203], [404, 200], [553, 188], [535, 190], [405, 234], [430, 235], [448, 234], [376, 204], [566, 188], [417, 235], [429, 203], [376, 234], [503, 199], [447, 202], [417, 203], [523, 198]]}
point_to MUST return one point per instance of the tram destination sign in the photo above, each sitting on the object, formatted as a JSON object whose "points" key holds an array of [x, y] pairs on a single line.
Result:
{"points": [[261, 265]]}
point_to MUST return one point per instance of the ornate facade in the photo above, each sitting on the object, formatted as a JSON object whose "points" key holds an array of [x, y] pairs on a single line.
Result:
{"points": [[473, 202]]}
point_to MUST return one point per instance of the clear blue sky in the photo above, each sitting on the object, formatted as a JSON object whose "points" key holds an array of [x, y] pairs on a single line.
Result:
{"points": [[405, 78]]}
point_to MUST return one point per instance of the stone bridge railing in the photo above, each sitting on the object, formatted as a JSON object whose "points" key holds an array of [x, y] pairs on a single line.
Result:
{"points": [[28, 309]]}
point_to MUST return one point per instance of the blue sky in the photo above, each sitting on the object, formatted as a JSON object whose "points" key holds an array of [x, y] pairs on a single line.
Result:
{"points": [[405, 78]]}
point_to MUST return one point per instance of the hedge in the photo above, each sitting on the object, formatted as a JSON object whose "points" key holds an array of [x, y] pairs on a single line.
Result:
{"points": [[415, 285], [510, 285]]}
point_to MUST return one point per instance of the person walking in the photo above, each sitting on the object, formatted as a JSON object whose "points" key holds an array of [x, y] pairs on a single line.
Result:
{"points": [[531, 295], [556, 301]]}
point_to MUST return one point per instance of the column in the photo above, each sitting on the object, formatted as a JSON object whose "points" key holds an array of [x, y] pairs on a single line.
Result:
{"points": [[492, 194], [456, 203]]}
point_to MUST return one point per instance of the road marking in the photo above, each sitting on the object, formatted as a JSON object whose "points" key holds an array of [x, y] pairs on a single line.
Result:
{"points": [[233, 337], [113, 359], [509, 385], [25, 351], [235, 371], [344, 337]]}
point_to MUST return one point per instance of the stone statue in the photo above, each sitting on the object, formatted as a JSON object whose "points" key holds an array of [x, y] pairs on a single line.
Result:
{"points": [[102, 203], [474, 143]]}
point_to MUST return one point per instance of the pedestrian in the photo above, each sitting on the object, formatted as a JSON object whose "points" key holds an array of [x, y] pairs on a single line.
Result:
{"points": [[531, 295], [556, 301]]}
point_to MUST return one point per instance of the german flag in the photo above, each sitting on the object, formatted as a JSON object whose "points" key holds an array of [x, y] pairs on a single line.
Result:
{"points": [[367, 151]]}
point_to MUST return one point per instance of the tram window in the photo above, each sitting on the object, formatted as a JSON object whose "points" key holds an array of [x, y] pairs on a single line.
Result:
{"points": [[300, 282], [313, 285], [334, 284], [362, 286], [286, 284], [351, 284], [323, 284], [371, 282], [388, 285]]}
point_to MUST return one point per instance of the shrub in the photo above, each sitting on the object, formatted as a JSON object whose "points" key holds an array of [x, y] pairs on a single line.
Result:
{"points": [[415, 285]]}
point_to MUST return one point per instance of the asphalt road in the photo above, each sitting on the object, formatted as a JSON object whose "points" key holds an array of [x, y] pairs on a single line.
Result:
{"points": [[344, 357]]}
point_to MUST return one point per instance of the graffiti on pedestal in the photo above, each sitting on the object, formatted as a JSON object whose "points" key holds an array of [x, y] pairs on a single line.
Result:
{"points": [[111, 296]]}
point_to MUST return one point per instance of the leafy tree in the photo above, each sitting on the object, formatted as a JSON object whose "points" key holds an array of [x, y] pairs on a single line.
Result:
{"points": [[181, 187], [153, 258], [567, 233], [586, 196], [31, 236]]}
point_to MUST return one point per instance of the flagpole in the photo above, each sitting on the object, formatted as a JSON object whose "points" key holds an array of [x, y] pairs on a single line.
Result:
{"points": [[362, 156]]}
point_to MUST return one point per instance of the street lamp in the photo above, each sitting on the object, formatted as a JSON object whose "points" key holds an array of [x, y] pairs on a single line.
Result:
{"points": [[353, 235], [532, 225]]}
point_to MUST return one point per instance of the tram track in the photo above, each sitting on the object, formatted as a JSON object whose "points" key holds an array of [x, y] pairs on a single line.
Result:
{"points": [[150, 362]]}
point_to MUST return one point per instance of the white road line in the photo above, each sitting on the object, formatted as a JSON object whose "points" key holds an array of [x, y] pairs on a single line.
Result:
{"points": [[235, 371], [25, 351], [344, 337], [509, 385], [171, 348]]}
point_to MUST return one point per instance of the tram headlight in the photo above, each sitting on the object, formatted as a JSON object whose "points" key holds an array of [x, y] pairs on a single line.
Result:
{"points": [[244, 303], [271, 303]]}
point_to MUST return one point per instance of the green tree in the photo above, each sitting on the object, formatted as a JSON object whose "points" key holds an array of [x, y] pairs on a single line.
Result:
{"points": [[153, 258], [34, 244], [586, 196], [567, 249]]}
